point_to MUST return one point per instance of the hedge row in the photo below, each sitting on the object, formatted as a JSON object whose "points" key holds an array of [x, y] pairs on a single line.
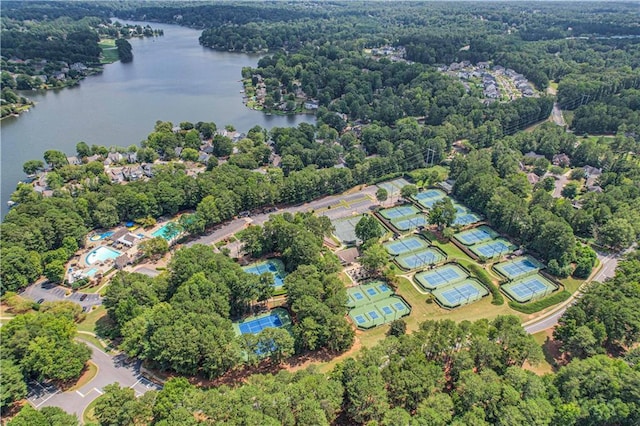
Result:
{"points": [[541, 304], [496, 296]]}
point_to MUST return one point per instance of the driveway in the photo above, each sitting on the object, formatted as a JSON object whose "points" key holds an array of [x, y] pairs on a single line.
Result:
{"points": [[556, 115], [111, 369], [54, 293], [561, 181]]}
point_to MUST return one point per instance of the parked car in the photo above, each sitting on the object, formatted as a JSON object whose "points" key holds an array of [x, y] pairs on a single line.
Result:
{"points": [[84, 296], [40, 301]]}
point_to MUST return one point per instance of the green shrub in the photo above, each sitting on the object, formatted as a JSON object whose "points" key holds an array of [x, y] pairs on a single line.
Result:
{"points": [[538, 305], [496, 296]]}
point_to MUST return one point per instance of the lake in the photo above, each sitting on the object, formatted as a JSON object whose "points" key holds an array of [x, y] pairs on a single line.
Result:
{"points": [[172, 78]]}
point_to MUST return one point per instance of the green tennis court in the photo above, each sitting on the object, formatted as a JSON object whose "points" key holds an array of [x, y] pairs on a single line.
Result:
{"points": [[420, 258], [493, 248], [464, 219], [460, 293], [440, 276], [529, 288], [381, 312], [519, 267], [429, 197], [394, 187], [406, 223], [367, 293], [476, 235], [345, 229], [399, 211], [405, 245]]}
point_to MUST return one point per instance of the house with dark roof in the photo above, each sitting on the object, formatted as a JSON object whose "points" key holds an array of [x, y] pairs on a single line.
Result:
{"points": [[562, 160]]}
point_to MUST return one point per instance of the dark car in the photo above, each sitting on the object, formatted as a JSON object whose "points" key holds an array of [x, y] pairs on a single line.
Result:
{"points": [[40, 301], [84, 296]]}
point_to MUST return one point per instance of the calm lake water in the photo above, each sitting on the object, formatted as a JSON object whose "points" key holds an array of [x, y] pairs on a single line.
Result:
{"points": [[172, 78]]}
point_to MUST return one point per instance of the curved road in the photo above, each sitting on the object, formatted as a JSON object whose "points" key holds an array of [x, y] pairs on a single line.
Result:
{"points": [[111, 369]]}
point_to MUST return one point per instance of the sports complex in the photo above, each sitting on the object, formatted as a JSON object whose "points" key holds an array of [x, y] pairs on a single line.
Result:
{"points": [[518, 267], [374, 304]]}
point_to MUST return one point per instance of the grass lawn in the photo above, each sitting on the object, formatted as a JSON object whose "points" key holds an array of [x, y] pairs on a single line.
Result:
{"points": [[109, 51], [88, 375], [93, 340], [546, 365], [88, 417], [92, 317]]}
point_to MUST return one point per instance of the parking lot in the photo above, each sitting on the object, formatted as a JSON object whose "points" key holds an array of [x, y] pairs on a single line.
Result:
{"points": [[47, 292], [39, 393]]}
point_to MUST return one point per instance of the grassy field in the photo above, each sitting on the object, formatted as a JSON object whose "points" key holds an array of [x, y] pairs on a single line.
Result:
{"points": [[109, 51], [92, 317]]}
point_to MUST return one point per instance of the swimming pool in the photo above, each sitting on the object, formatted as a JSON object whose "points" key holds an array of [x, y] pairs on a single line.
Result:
{"points": [[166, 232], [91, 272], [101, 254]]}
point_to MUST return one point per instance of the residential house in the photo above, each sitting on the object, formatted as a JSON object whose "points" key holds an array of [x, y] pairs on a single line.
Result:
{"points": [[483, 65], [147, 169], [115, 174], [562, 160], [93, 158], [592, 174], [74, 161], [533, 178], [128, 239], [132, 173], [203, 158], [311, 104], [132, 157]]}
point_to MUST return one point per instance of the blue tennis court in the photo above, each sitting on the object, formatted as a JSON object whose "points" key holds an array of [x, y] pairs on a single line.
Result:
{"points": [[429, 194], [518, 267], [399, 306], [387, 310], [405, 245], [460, 209], [410, 223], [400, 211], [372, 291], [358, 296], [493, 248], [475, 235], [440, 277], [466, 219], [421, 258], [459, 294], [257, 325], [373, 315], [269, 266], [528, 288], [384, 288], [360, 319]]}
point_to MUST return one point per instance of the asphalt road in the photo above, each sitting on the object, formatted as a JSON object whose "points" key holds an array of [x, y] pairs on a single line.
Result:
{"points": [[111, 369], [53, 293], [349, 204], [556, 115]]}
